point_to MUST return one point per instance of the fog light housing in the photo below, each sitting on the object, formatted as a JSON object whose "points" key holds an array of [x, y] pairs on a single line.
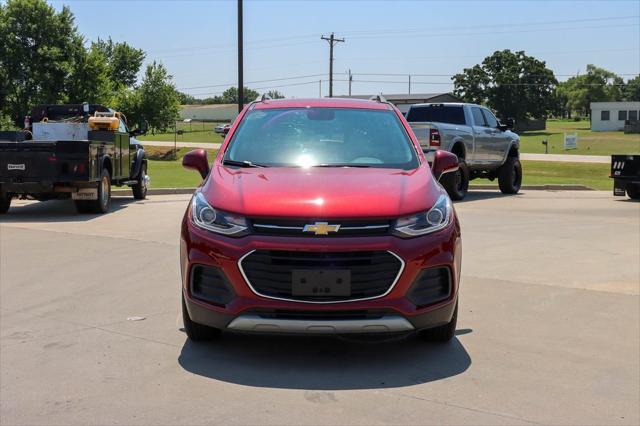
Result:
{"points": [[210, 285], [432, 285]]}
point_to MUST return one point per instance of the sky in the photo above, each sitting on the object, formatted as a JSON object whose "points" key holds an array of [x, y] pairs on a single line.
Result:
{"points": [[385, 41]]}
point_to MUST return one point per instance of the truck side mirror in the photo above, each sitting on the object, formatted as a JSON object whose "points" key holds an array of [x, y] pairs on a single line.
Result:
{"points": [[444, 162], [197, 160], [510, 123]]}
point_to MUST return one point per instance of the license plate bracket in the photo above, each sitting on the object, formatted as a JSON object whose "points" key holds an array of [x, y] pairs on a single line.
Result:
{"points": [[321, 282]]}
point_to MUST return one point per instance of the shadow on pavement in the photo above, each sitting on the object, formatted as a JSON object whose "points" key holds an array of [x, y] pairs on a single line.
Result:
{"points": [[324, 363], [482, 194], [56, 211]]}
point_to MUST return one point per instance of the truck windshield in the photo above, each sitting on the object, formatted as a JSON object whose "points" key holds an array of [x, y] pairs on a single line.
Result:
{"points": [[452, 114], [322, 137]]}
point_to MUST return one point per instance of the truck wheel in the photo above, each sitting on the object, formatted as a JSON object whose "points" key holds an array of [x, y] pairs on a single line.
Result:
{"points": [[197, 332], [633, 191], [442, 333], [5, 202], [457, 183], [140, 188], [102, 204], [510, 176]]}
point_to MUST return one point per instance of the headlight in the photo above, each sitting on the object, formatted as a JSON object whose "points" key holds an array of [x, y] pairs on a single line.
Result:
{"points": [[206, 217], [438, 217]]}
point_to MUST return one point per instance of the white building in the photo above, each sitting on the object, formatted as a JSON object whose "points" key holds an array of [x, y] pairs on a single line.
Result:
{"points": [[611, 116]]}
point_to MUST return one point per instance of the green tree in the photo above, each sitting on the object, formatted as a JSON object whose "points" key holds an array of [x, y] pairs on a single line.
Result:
{"points": [[275, 94], [511, 83], [123, 61], [631, 90], [89, 80], [35, 42], [230, 96], [597, 85], [6, 123], [158, 97]]}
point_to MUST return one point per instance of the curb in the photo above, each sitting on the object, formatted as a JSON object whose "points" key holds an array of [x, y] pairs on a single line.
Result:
{"points": [[157, 191], [540, 187], [173, 191]]}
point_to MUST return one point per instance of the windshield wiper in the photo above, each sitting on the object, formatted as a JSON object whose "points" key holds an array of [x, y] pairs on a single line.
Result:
{"points": [[342, 165], [244, 163]]}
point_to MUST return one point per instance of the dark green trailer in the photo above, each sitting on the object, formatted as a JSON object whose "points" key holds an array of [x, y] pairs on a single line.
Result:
{"points": [[83, 170]]}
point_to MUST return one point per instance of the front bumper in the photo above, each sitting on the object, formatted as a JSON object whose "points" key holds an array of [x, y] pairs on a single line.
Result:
{"points": [[251, 312]]}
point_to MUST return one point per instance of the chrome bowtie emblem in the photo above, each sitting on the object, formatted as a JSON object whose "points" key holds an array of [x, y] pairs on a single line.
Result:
{"points": [[321, 228]]}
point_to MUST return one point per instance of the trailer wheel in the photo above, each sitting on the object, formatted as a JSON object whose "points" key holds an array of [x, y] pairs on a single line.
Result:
{"points": [[140, 188], [633, 191], [102, 204], [5, 202]]}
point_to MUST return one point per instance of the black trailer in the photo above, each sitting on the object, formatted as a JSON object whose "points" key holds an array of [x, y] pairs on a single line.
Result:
{"points": [[625, 172], [82, 170]]}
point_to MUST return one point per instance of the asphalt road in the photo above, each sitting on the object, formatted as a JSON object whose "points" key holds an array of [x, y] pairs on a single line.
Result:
{"points": [[549, 327]]}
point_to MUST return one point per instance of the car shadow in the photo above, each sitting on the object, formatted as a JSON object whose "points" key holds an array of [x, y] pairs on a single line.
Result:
{"points": [[481, 194], [324, 363], [57, 211]]}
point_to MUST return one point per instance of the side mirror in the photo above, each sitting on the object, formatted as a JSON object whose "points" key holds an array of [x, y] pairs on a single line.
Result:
{"points": [[197, 160], [226, 129], [509, 123], [444, 162]]}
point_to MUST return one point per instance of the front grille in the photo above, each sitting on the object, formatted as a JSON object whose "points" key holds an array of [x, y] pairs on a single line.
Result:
{"points": [[270, 272], [294, 227]]}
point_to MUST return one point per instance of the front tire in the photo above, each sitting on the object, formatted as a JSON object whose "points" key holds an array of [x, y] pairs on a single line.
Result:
{"points": [[197, 332], [5, 202], [442, 333], [457, 183], [510, 176], [633, 191], [140, 189]]}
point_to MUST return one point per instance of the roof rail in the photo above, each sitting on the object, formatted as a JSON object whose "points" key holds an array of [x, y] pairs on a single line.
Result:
{"points": [[263, 97], [379, 98]]}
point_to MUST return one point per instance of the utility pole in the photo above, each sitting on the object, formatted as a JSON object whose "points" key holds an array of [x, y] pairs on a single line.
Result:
{"points": [[332, 42], [240, 65], [350, 80], [409, 83], [319, 88]]}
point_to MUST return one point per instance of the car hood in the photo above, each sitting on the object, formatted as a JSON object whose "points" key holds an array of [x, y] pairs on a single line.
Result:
{"points": [[321, 192]]}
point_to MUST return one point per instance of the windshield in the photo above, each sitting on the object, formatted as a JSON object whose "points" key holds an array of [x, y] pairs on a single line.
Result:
{"points": [[322, 137]]}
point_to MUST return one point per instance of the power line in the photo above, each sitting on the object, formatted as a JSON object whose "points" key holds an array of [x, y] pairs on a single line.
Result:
{"points": [[251, 82]]}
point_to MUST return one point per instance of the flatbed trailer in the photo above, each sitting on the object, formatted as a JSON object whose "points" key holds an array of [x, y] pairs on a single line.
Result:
{"points": [[82, 170], [625, 172]]}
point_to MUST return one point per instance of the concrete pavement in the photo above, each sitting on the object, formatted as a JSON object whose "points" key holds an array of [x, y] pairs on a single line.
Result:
{"points": [[564, 158], [548, 332]]}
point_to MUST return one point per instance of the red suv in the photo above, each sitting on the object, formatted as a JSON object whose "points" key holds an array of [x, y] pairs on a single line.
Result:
{"points": [[320, 216]]}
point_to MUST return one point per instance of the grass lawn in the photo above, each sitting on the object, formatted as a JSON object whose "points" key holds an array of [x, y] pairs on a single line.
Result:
{"points": [[589, 143], [168, 173], [593, 175], [192, 132]]}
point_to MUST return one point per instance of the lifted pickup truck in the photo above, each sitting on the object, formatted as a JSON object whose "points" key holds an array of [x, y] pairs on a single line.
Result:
{"points": [[76, 152], [485, 148]]}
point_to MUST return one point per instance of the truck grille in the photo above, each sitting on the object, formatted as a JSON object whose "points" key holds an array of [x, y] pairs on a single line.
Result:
{"points": [[295, 227], [270, 272]]}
